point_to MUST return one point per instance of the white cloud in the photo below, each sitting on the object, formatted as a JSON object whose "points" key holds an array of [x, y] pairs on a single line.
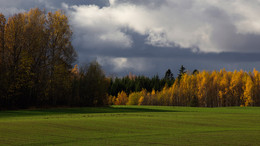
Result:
{"points": [[202, 24], [248, 12], [123, 64], [96, 27], [11, 11]]}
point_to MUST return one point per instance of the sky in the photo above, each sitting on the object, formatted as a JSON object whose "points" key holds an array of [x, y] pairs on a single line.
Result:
{"points": [[147, 37]]}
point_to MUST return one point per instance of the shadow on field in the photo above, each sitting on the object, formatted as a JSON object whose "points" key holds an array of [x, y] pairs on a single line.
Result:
{"points": [[84, 110]]}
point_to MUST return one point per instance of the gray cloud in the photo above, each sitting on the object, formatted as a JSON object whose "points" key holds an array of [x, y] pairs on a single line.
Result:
{"points": [[151, 3]]}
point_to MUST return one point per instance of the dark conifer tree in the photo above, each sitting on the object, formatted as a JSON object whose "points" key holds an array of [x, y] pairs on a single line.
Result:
{"points": [[181, 72], [169, 78]]}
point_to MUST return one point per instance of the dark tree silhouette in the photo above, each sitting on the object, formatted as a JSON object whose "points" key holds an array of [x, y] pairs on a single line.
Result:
{"points": [[182, 71], [169, 78], [195, 71]]}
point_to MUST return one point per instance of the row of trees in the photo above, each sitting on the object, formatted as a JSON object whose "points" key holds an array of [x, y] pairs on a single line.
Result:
{"points": [[132, 83], [204, 89], [36, 64]]}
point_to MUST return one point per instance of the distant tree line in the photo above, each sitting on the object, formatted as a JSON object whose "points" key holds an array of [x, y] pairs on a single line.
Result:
{"points": [[201, 89], [36, 64], [130, 84]]}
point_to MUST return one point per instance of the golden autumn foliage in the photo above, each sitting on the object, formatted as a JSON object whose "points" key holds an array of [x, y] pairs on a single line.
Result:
{"points": [[121, 99], [205, 89], [248, 92], [134, 98]]}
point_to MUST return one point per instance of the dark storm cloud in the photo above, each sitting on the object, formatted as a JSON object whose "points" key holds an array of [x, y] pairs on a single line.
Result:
{"points": [[159, 59], [142, 50]]}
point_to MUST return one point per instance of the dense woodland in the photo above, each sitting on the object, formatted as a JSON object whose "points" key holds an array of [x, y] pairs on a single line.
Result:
{"points": [[37, 70]]}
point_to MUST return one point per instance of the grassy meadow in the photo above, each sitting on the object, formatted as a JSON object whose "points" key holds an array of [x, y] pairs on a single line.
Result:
{"points": [[131, 125]]}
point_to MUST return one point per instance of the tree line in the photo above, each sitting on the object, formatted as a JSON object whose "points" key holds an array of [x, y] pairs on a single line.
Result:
{"points": [[132, 83], [201, 89]]}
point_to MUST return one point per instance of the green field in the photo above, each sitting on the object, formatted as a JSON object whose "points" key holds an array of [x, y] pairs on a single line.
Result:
{"points": [[131, 125]]}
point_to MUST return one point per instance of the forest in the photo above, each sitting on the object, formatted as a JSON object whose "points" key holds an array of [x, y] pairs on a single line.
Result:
{"points": [[37, 69]]}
